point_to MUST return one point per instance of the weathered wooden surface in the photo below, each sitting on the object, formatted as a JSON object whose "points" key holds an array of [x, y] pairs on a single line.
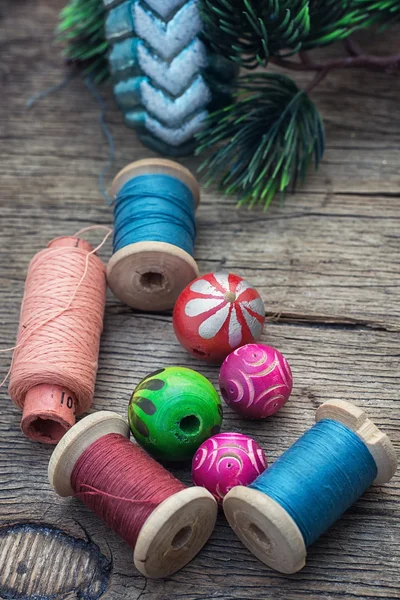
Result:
{"points": [[327, 262]]}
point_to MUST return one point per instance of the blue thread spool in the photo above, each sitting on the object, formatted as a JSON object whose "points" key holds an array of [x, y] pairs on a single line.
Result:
{"points": [[309, 487], [154, 206]]}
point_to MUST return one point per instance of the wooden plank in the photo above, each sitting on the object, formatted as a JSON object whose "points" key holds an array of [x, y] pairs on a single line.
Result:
{"points": [[358, 557], [311, 261], [326, 262], [52, 155]]}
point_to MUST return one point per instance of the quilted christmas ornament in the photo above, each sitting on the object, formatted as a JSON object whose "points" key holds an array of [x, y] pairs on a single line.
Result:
{"points": [[174, 65], [165, 78]]}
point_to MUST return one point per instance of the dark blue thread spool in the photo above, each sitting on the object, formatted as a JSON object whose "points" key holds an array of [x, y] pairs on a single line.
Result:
{"points": [[310, 486], [154, 233]]}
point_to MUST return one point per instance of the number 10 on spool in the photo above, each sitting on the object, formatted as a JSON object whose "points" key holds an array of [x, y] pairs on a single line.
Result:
{"points": [[69, 402]]}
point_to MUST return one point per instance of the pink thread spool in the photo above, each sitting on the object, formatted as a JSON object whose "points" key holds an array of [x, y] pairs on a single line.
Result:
{"points": [[226, 460], [50, 399], [255, 380]]}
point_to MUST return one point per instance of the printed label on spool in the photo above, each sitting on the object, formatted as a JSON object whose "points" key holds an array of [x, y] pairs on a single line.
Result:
{"points": [[68, 401], [49, 411]]}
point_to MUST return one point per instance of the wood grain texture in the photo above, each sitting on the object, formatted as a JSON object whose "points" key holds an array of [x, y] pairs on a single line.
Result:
{"points": [[326, 262]]}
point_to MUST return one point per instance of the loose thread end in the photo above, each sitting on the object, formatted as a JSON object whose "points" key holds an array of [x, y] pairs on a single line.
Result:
{"points": [[96, 492], [107, 134], [50, 90]]}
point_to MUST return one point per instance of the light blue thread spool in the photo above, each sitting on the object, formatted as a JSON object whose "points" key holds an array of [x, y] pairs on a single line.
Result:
{"points": [[154, 234], [309, 487]]}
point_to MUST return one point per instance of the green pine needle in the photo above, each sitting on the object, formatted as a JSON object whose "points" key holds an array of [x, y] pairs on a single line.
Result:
{"points": [[384, 13], [249, 31], [332, 20], [81, 27], [264, 143]]}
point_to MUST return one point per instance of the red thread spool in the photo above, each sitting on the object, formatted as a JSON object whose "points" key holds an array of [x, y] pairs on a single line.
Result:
{"points": [[52, 383], [165, 522]]}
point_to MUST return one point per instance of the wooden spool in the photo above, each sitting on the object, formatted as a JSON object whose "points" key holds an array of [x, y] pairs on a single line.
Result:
{"points": [[174, 532], [150, 276], [49, 410], [266, 529]]}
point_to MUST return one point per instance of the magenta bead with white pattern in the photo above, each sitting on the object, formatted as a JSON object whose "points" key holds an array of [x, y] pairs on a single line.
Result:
{"points": [[255, 380], [226, 460]]}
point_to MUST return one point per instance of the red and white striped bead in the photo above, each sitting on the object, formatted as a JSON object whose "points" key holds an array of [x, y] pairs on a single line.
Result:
{"points": [[217, 313]]}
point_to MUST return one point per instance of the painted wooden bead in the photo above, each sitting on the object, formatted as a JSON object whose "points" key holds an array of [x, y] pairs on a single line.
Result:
{"points": [[217, 313], [172, 411], [226, 460], [255, 380]]}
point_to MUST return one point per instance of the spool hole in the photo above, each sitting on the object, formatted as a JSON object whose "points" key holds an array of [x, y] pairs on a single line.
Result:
{"points": [[190, 425], [47, 429], [259, 535], [181, 538], [152, 281]]}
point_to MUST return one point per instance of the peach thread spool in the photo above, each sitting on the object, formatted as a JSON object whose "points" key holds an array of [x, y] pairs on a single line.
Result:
{"points": [[163, 521], [54, 365], [154, 233]]}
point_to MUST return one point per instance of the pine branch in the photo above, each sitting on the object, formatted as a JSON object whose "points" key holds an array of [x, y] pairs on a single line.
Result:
{"points": [[249, 31], [332, 20], [384, 12], [264, 143], [355, 61], [82, 28]]}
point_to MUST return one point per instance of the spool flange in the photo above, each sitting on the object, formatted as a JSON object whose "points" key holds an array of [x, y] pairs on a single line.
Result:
{"points": [[150, 276], [174, 532], [266, 529]]}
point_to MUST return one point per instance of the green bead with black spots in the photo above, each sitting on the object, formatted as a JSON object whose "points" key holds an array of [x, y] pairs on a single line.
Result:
{"points": [[173, 411]]}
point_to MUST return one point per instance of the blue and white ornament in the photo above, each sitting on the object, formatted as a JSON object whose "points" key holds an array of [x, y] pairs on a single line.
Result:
{"points": [[158, 63]]}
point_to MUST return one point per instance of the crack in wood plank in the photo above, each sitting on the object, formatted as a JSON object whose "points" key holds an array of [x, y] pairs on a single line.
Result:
{"points": [[42, 562]]}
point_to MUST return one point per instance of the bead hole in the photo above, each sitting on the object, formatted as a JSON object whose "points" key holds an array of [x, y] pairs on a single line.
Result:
{"points": [[190, 425], [199, 352], [224, 394], [152, 281], [259, 535], [181, 538]]}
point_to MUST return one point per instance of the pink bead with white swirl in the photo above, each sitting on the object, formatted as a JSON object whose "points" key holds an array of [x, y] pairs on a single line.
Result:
{"points": [[255, 380], [226, 460]]}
